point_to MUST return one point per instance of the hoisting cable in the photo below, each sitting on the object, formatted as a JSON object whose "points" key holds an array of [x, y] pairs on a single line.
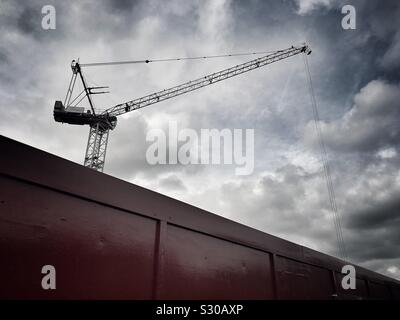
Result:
{"points": [[174, 59], [325, 162]]}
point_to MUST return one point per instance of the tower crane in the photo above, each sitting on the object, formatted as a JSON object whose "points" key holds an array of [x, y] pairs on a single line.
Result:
{"points": [[102, 123]]}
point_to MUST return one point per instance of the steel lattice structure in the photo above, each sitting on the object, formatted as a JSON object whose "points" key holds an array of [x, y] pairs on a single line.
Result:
{"points": [[96, 147]]}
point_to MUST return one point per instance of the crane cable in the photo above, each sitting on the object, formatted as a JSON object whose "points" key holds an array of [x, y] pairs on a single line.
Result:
{"points": [[174, 59], [324, 159]]}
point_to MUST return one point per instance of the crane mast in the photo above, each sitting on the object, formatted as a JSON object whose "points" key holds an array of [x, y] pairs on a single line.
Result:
{"points": [[101, 124]]}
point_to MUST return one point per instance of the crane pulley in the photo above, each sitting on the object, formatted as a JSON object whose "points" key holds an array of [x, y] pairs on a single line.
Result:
{"points": [[101, 123]]}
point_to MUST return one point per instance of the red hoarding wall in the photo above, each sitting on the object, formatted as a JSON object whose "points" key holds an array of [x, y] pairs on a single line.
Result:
{"points": [[109, 239]]}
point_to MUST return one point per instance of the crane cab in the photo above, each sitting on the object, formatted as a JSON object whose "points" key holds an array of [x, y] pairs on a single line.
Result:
{"points": [[78, 116]]}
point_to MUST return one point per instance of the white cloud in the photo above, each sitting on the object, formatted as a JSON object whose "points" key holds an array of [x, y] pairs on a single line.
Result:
{"points": [[387, 153], [371, 123], [307, 6], [394, 272]]}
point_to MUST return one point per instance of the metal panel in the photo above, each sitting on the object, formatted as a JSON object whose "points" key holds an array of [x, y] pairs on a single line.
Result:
{"points": [[203, 267], [98, 252], [111, 239], [379, 290], [297, 280]]}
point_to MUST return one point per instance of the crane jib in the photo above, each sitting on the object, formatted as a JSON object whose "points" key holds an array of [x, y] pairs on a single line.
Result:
{"points": [[205, 81]]}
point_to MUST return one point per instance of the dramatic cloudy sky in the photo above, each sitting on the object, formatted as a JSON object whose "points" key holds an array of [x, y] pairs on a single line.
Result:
{"points": [[356, 81]]}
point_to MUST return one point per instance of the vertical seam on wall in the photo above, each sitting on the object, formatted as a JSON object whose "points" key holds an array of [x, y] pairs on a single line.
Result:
{"points": [[159, 261], [335, 287], [368, 288], [274, 275]]}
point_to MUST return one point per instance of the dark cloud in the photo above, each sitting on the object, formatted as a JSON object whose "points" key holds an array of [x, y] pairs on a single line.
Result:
{"points": [[382, 244], [26, 18], [378, 215], [30, 18], [123, 6]]}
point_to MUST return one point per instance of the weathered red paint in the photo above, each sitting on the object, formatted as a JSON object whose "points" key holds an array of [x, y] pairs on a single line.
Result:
{"points": [[109, 239]]}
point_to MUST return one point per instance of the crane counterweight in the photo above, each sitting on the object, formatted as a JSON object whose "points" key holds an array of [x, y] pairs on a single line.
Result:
{"points": [[78, 116]]}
